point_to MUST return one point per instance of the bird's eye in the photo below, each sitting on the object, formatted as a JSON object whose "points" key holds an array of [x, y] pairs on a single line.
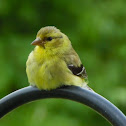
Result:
{"points": [[49, 38]]}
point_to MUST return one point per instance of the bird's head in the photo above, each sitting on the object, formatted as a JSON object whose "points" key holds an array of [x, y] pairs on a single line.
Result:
{"points": [[50, 38]]}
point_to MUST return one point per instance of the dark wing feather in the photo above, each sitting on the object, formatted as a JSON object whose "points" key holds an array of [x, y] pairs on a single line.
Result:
{"points": [[78, 71]]}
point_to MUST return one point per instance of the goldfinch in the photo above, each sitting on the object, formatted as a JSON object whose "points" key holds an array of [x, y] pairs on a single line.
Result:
{"points": [[54, 62]]}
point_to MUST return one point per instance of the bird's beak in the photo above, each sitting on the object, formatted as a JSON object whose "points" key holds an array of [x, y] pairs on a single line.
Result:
{"points": [[37, 41]]}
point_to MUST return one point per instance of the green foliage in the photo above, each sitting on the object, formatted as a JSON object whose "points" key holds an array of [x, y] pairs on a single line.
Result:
{"points": [[97, 30]]}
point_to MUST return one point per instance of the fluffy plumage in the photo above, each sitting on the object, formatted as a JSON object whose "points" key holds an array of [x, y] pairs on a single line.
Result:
{"points": [[54, 62]]}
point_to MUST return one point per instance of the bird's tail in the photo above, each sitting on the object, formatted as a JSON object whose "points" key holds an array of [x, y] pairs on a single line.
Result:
{"points": [[87, 87]]}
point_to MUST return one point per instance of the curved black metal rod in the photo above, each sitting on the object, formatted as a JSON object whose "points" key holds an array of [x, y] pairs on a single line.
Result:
{"points": [[86, 97]]}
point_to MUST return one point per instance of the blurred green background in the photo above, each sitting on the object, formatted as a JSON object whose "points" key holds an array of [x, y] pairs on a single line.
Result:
{"points": [[97, 29]]}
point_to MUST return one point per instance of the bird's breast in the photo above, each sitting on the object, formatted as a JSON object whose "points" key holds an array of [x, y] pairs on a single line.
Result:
{"points": [[43, 70]]}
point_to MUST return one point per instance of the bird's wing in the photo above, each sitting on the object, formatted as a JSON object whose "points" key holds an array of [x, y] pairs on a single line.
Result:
{"points": [[78, 71], [74, 64]]}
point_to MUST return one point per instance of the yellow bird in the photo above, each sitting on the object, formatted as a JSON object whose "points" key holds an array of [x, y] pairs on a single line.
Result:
{"points": [[54, 62]]}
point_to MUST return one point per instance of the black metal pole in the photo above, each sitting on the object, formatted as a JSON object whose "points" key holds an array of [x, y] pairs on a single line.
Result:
{"points": [[86, 97]]}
